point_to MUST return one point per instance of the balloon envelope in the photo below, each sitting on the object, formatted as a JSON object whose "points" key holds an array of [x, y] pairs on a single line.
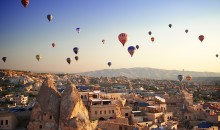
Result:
{"points": [[103, 41], [77, 30], [38, 57], [53, 44], [25, 3], [49, 17], [170, 25], [216, 55], [4, 59], [137, 46], [201, 38], [131, 50], [180, 77], [149, 32], [76, 50], [109, 64], [76, 58], [68, 60], [152, 39], [123, 38], [186, 30]]}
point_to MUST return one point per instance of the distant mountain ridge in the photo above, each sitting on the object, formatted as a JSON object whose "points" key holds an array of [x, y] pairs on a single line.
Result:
{"points": [[149, 73]]}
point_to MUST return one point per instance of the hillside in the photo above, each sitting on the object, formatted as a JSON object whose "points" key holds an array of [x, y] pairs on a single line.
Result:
{"points": [[150, 73]]}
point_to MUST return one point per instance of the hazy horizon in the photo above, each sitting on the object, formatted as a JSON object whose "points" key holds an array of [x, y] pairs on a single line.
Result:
{"points": [[26, 32], [57, 72]]}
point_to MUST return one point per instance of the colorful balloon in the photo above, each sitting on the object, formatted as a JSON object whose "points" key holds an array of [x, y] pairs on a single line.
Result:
{"points": [[180, 77], [4, 59], [201, 38], [170, 25], [68, 60], [53, 44], [152, 39], [186, 30], [25, 3], [76, 50], [109, 64], [123, 38], [76, 58], [77, 30], [149, 32], [38, 57], [137, 47], [131, 50], [188, 78], [49, 17]]}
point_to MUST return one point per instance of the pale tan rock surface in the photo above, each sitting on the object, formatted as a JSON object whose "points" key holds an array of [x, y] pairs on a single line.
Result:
{"points": [[45, 113], [73, 113], [53, 112]]}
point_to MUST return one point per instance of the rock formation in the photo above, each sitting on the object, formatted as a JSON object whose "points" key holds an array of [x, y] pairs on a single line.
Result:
{"points": [[73, 113], [53, 112], [45, 114]]}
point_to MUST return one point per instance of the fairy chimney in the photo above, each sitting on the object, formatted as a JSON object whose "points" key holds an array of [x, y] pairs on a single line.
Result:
{"points": [[45, 113], [73, 113]]}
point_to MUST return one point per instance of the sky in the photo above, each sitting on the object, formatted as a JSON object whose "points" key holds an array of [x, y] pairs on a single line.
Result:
{"points": [[26, 32]]}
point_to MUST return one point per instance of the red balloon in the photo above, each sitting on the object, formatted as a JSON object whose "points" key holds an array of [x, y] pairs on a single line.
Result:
{"points": [[152, 39], [25, 3], [201, 38], [123, 38]]}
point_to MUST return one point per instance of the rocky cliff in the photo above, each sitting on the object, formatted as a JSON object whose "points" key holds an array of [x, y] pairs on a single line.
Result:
{"points": [[45, 114], [73, 113], [53, 111]]}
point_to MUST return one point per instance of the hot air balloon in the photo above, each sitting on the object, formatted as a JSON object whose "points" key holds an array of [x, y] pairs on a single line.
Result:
{"points": [[152, 39], [103, 41], [149, 32], [4, 59], [25, 3], [75, 50], [76, 58], [109, 64], [216, 55], [68, 60], [123, 38], [170, 25], [131, 50], [137, 47], [53, 44], [49, 17], [188, 78], [38, 57], [201, 38], [180, 77], [77, 30], [186, 30]]}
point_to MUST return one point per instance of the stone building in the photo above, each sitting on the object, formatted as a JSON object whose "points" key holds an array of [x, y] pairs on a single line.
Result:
{"points": [[8, 121], [20, 100], [102, 109]]}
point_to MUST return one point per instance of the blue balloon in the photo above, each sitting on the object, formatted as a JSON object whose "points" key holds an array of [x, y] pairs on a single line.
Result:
{"points": [[131, 50], [75, 50]]}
